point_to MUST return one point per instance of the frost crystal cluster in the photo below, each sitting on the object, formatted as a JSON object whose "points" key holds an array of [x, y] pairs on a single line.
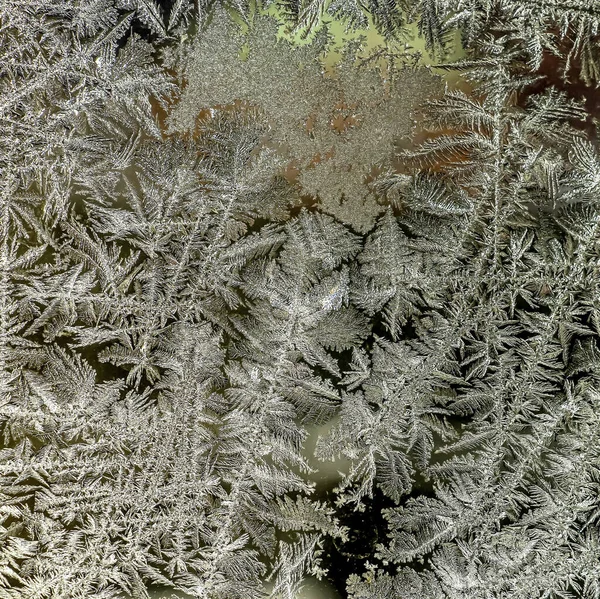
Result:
{"points": [[211, 249]]}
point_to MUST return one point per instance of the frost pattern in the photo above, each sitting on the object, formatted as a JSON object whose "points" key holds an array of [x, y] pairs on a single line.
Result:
{"points": [[176, 319]]}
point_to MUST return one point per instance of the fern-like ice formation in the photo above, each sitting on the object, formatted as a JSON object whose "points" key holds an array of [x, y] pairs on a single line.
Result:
{"points": [[177, 313]]}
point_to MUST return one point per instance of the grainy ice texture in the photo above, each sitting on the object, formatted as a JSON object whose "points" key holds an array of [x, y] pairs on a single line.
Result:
{"points": [[333, 128]]}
